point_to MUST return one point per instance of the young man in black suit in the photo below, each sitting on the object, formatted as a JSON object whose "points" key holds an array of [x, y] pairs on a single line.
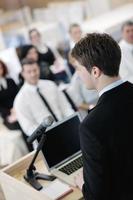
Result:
{"points": [[106, 133]]}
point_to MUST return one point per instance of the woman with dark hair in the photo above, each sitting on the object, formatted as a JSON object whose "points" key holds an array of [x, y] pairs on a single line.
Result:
{"points": [[8, 91], [30, 52], [45, 52], [52, 57]]}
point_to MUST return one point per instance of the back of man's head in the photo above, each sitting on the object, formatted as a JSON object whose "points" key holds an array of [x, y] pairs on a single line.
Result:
{"points": [[99, 50]]}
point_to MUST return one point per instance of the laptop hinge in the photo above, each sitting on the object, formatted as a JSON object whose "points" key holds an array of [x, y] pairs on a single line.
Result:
{"points": [[67, 160]]}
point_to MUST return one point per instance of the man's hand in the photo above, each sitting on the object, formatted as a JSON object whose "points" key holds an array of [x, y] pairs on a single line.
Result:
{"points": [[79, 180]]}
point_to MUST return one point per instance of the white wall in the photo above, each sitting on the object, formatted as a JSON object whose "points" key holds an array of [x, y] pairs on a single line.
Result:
{"points": [[2, 46], [99, 6]]}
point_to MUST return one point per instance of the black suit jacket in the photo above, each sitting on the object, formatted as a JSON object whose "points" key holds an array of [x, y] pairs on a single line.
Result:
{"points": [[106, 136], [7, 97]]}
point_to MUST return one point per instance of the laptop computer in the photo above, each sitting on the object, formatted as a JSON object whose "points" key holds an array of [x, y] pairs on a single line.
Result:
{"points": [[61, 150]]}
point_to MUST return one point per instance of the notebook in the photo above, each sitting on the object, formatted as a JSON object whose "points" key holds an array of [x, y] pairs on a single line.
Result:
{"points": [[57, 190]]}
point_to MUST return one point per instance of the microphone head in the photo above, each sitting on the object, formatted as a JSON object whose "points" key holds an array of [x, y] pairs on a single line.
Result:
{"points": [[48, 121]]}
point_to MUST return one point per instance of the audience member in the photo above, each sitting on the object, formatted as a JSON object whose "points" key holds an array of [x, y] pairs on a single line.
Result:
{"points": [[47, 55], [30, 52], [126, 45], [38, 98], [75, 34], [8, 91], [65, 47], [83, 98]]}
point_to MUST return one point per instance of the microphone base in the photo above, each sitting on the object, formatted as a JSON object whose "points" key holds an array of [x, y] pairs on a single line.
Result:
{"points": [[33, 182], [32, 178], [44, 177]]}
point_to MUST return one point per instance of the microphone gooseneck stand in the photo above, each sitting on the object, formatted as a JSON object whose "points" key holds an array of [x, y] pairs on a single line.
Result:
{"points": [[31, 175]]}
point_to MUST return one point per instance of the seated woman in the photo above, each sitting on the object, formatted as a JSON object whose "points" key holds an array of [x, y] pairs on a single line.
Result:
{"points": [[51, 56], [30, 52], [45, 52], [8, 91]]}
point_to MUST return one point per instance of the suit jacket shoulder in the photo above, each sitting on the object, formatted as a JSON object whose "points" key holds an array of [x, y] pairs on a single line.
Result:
{"points": [[110, 110]]}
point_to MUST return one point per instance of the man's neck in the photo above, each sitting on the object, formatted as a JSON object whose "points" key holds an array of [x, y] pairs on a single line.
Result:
{"points": [[105, 81], [31, 84]]}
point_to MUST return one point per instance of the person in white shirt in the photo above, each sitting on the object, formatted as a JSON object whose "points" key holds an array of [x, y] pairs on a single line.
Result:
{"points": [[64, 48], [126, 45], [84, 99], [75, 34], [29, 103]]}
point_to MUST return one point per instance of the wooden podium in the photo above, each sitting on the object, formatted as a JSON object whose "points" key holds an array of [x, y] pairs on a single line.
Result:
{"points": [[15, 187]]}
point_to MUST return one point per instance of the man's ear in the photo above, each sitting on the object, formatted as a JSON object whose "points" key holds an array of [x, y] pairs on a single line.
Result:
{"points": [[96, 72]]}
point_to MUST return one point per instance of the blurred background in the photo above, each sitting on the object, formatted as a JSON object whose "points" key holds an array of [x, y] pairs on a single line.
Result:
{"points": [[53, 17], [57, 25]]}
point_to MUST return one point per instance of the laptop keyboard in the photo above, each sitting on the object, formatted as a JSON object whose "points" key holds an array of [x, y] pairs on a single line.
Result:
{"points": [[72, 166]]}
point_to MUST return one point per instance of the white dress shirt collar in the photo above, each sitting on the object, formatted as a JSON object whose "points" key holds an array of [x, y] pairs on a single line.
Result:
{"points": [[30, 86], [111, 86], [126, 44], [72, 44]]}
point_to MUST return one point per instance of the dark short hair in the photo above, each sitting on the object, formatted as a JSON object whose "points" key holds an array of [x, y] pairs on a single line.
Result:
{"points": [[74, 25], [26, 61], [33, 30], [24, 50], [99, 50], [127, 23], [4, 66]]}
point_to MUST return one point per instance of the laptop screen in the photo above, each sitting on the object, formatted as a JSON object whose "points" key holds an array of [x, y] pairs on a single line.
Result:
{"points": [[62, 141]]}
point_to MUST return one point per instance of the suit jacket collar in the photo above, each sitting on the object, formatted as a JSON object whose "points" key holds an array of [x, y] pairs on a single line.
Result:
{"points": [[112, 91]]}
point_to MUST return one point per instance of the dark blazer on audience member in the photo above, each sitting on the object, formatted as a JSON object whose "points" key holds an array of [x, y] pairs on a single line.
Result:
{"points": [[107, 144], [7, 97]]}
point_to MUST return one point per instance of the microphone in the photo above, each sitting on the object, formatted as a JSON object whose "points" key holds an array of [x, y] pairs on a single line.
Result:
{"points": [[48, 121]]}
